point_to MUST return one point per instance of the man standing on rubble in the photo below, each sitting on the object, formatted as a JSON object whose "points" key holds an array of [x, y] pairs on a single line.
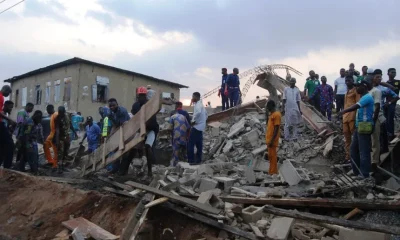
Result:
{"points": [[325, 93], [93, 135], [391, 108], [118, 116], [8, 107], [22, 116], [49, 143], [6, 141], [388, 97], [180, 128], [364, 74], [152, 129], [310, 87], [361, 142], [60, 127], [221, 92], [272, 136], [179, 109], [350, 99], [105, 123], [29, 135], [340, 90], [291, 109], [196, 133], [232, 87]]}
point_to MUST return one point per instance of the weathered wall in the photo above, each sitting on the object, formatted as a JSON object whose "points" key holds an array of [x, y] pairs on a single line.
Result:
{"points": [[122, 87]]}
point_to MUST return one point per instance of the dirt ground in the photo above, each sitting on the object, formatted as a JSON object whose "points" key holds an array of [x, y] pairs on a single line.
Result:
{"points": [[34, 209]]}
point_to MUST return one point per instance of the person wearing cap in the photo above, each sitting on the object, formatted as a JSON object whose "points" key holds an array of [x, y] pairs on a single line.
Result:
{"points": [[340, 90], [361, 141], [232, 88], [93, 134], [364, 74], [388, 97], [390, 111], [351, 98], [310, 87], [221, 92], [325, 93], [291, 109], [150, 92]]}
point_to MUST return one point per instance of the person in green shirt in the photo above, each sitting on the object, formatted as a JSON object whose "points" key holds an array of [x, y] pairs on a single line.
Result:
{"points": [[364, 74], [310, 87]]}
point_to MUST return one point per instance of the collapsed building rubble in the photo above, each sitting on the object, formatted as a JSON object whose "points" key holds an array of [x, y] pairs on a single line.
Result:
{"points": [[230, 194]]}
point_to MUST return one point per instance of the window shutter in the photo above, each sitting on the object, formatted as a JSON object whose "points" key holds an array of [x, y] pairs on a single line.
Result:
{"points": [[106, 94], [94, 93]]}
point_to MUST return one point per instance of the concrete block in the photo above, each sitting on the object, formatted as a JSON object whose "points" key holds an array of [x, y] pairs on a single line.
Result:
{"points": [[205, 169], [297, 234], [392, 184], [225, 182], [280, 228], [228, 146], [207, 184], [189, 172], [237, 128], [289, 173], [250, 176], [251, 138], [259, 150], [215, 131], [252, 214], [259, 165], [209, 198], [349, 234]]}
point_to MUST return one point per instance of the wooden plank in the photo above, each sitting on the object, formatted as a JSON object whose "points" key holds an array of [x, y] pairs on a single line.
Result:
{"points": [[121, 139], [123, 193], [211, 222], [135, 216], [186, 201], [88, 229], [128, 129], [156, 202], [331, 220], [117, 184], [352, 213], [237, 110], [103, 162], [317, 203], [65, 180]]}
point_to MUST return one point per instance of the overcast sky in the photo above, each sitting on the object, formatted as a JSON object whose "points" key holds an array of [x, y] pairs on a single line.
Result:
{"points": [[188, 41]]}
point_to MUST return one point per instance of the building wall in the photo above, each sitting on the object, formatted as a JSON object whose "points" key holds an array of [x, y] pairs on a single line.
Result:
{"points": [[122, 87]]}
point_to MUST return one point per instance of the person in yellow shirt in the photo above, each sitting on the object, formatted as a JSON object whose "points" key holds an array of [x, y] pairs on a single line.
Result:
{"points": [[272, 136]]}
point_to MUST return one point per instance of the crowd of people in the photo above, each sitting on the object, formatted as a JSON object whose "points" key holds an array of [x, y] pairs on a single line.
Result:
{"points": [[57, 129], [365, 106]]}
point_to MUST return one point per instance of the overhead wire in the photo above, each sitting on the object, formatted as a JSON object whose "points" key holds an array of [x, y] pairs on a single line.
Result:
{"points": [[11, 6]]}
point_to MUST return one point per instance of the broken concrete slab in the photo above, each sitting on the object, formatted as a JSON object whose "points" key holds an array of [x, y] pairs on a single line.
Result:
{"points": [[205, 169], [215, 131], [237, 128], [252, 214], [297, 234], [392, 184], [251, 138], [289, 173], [350, 234], [250, 175], [211, 199], [228, 146], [280, 228], [259, 165], [259, 150], [207, 184]]}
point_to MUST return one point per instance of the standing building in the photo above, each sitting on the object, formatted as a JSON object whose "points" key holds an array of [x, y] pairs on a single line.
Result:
{"points": [[83, 86]]}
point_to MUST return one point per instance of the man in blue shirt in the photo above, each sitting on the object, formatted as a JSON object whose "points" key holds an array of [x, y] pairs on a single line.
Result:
{"points": [[76, 120], [361, 142], [233, 87], [93, 134], [221, 92]]}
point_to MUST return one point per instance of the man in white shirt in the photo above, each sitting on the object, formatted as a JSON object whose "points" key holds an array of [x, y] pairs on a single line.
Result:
{"points": [[340, 90], [196, 133], [377, 95]]}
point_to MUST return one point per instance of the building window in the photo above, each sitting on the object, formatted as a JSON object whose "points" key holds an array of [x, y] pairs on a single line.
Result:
{"points": [[38, 95], [48, 92], [57, 88], [16, 98], [100, 89], [99, 93], [67, 89], [24, 96]]}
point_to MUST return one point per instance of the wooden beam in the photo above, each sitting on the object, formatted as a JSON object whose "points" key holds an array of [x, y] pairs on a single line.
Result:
{"points": [[211, 222], [130, 227], [156, 202], [88, 229], [123, 193], [117, 184], [317, 203], [331, 220], [169, 195], [238, 110], [126, 132]]}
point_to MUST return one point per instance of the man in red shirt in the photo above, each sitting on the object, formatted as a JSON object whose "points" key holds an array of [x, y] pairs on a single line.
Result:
{"points": [[6, 141]]}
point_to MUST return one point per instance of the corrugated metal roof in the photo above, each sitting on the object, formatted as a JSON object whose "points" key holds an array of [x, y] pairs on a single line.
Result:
{"points": [[80, 60]]}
